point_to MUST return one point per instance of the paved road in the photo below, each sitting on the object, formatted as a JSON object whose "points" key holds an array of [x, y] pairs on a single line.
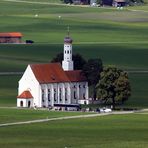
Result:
{"points": [[63, 118]]}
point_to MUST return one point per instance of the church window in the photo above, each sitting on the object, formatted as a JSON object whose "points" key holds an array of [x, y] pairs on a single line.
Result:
{"points": [[75, 95], [84, 96], [65, 94], [60, 94], [21, 103], [65, 51], [68, 51], [55, 94], [79, 86], [29, 103], [74, 86], [49, 95], [43, 94], [83, 86]]}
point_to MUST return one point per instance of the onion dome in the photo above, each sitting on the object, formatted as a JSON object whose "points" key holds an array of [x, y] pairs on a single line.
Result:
{"points": [[68, 40]]}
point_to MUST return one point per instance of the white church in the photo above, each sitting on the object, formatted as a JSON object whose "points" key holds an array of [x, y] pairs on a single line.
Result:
{"points": [[52, 85]]}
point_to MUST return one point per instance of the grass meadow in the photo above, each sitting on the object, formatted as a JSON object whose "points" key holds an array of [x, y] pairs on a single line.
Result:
{"points": [[9, 115], [100, 132], [119, 38]]}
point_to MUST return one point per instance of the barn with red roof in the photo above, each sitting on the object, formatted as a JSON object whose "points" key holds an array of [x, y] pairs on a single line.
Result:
{"points": [[52, 84], [11, 37]]}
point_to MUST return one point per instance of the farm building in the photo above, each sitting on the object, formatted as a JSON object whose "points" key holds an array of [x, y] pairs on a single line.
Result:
{"points": [[119, 3], [53, 85], [12, 37], [81, 1], [116, 3]]}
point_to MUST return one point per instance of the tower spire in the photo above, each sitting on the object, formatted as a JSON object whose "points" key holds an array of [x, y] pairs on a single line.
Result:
{"points": [[67, 62]]}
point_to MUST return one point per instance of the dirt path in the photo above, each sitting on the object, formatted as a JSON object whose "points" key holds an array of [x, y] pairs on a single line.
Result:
{"points": [[63, 118]]}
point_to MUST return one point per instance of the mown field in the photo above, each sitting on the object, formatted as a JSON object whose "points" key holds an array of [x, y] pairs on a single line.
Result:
{"points": [[117, 37], [9, 115], [101, 132]]}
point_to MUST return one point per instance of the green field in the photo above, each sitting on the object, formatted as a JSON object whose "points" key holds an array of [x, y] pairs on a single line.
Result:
{"points": [[124, 131], [117, 37], [9, 115]]}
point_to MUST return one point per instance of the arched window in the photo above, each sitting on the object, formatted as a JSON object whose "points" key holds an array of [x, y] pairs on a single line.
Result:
{"points": [[68, 51], [29, 103], [65, 94], [84, 96], [75, 95], [60, 94], [55, 95], [49, 95], [21, 103], [43, 94]]}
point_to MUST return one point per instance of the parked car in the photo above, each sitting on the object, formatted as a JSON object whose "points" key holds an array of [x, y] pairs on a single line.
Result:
{"points": [[105, 110]]}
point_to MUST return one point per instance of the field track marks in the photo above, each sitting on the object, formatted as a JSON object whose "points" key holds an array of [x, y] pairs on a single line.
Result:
{"points": [[43, 3], [48, 3], [31, 2], [137, 10], [63, 118]]}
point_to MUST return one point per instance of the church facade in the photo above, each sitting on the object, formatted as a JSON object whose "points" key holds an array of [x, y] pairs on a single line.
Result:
{"points": [[53, 85]]}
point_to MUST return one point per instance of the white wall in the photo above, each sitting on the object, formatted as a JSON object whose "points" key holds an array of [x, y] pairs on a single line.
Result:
{"points": [[58, 98], [25, 102], [29, 82]]}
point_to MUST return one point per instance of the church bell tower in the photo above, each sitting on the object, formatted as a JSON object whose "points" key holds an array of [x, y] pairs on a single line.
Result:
{"points": [[67, 62]]}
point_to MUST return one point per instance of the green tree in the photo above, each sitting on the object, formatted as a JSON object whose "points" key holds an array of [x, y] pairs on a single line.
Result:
{"points": [[92, 70], [114, 86], [79, 61]]}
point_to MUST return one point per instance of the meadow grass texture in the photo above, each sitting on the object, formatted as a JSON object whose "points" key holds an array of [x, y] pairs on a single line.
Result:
{"points": [[103, 132]]}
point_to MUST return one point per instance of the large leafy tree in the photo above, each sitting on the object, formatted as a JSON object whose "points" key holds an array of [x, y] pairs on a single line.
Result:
{"points": [[79, 61], [114, 86], [92, 70]]}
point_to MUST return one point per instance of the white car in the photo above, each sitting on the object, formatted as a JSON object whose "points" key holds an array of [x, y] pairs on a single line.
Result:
{"points": [[93, 4], [105, 110]]}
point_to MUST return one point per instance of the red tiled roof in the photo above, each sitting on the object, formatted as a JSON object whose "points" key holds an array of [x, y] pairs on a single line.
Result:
{"points": [[76, 76], [49, 73], [25, 95], [11, 34], [54, 73]]}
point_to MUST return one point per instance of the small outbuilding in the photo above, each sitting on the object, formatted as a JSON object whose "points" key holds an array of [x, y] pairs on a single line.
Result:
{"points": [[11, 37], [25, 99]]}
